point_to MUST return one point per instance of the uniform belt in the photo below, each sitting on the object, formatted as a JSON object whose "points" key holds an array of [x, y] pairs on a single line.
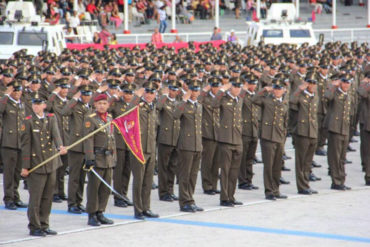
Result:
{"points": [[103, 151]]}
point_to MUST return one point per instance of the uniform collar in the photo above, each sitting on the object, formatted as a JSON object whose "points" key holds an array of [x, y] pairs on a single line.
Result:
{"points": [[234, 98], [308, 93], [17, 102], [340, 90], [192, 101]]}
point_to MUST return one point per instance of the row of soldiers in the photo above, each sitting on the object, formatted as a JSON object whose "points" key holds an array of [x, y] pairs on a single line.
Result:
{"points": [[198, 110]]}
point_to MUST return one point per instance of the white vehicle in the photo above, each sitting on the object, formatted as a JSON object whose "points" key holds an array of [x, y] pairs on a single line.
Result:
{"points": [[22, 29], [280, 26]]}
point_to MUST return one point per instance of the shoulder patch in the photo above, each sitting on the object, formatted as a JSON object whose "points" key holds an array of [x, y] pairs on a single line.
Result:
{"points": [[87, 124], [28, 117], [92, 115]]}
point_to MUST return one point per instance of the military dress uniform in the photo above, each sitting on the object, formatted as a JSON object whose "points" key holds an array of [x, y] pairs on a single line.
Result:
{"points": [[77, 112], [40, 139], [274, 118], [338, 123], [210, 120], [99, 150], [122, 170], [168, 134], [364, 94], [322, 84], [12, 114], [55, 105], [250, 123], [230, 141], [143, 173], [306, 133], [189, 149]]}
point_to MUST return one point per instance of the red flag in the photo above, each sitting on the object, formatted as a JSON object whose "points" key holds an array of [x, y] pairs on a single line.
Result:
{"points": [[128, 125]]}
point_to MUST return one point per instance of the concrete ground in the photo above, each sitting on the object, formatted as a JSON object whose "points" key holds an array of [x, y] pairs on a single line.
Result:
{"points": [[330, 218]]}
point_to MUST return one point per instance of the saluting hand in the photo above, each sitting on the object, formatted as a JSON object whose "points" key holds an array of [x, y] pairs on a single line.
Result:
{"points": [[103, 88], [9, 90], [57, 90], [207, 88], [187, 95], [303, 86], [140, 92], [335, 83], [77, 95], [268, 89], [165, 90], [226, 86]]}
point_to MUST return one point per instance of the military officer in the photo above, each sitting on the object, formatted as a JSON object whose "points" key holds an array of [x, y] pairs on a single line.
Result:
{"points": [[337, 122], [323, 82], [168, 134], [250, 115], [56, 102], [143, 173], [364, 93], [39, 137], [305, 100], [121, 172], [273, 131], [99, 151], [210, 120], [229, 138], [12, 113], [189, 145], [78, 108]]}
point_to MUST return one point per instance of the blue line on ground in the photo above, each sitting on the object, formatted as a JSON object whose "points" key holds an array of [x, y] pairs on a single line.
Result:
{"points": [[227, 226]]}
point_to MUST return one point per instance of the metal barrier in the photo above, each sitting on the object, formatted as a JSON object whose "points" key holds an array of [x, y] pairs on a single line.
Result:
{"points": [[343, 34]]}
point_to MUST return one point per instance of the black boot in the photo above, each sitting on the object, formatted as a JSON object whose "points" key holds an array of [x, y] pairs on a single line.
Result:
{"points": [[93, 220], [102, 219]]}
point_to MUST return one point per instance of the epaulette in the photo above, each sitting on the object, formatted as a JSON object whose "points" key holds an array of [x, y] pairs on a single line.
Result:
{"points": [[28, 117], [50, 114], [92, 115]]}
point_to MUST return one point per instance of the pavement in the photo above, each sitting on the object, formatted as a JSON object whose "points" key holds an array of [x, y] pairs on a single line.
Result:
{"points": [[330, 218]]}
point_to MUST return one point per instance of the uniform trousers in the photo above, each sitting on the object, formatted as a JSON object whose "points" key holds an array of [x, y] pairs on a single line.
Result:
{"points": [[12, 161], [188, 165], [40, 188], [272, 154], [337, 148], [142, 181], [76, 180], [209, 165], [246, 166], [230, 159], [167, 166], [304, 150], [97, 192], [122, 172]]}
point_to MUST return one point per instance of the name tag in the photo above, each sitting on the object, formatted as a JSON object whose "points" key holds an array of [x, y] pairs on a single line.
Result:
{"points": [[35, 130]]}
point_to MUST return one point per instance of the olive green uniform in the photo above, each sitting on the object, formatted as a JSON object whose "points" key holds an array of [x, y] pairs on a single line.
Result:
{"points": [[101, 148], [12, 114], [365, 128], [40, 137], [168, 135]]}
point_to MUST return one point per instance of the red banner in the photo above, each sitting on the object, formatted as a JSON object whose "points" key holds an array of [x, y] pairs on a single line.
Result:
{"points": [[129, 126], [177, 46]]}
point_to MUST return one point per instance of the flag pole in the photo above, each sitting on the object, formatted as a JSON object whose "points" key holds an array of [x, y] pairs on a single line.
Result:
{"points": [[78, 142]]}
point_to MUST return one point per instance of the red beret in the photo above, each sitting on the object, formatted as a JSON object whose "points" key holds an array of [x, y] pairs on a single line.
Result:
{"points": [[101, 97]]}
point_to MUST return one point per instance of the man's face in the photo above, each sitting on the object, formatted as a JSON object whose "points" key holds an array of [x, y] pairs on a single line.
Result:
{"points": [[302, 70], [252, 87], [214, 90], [101, 106], [38, 109], [63, 92], [235, 91], [149, 96], [311, 88], [278, 92], [16, 95], [194, 94], [35, 87], [85, 98], [127, 97], [129, 78], [323, 71], [172, 93], [345, 86]]}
